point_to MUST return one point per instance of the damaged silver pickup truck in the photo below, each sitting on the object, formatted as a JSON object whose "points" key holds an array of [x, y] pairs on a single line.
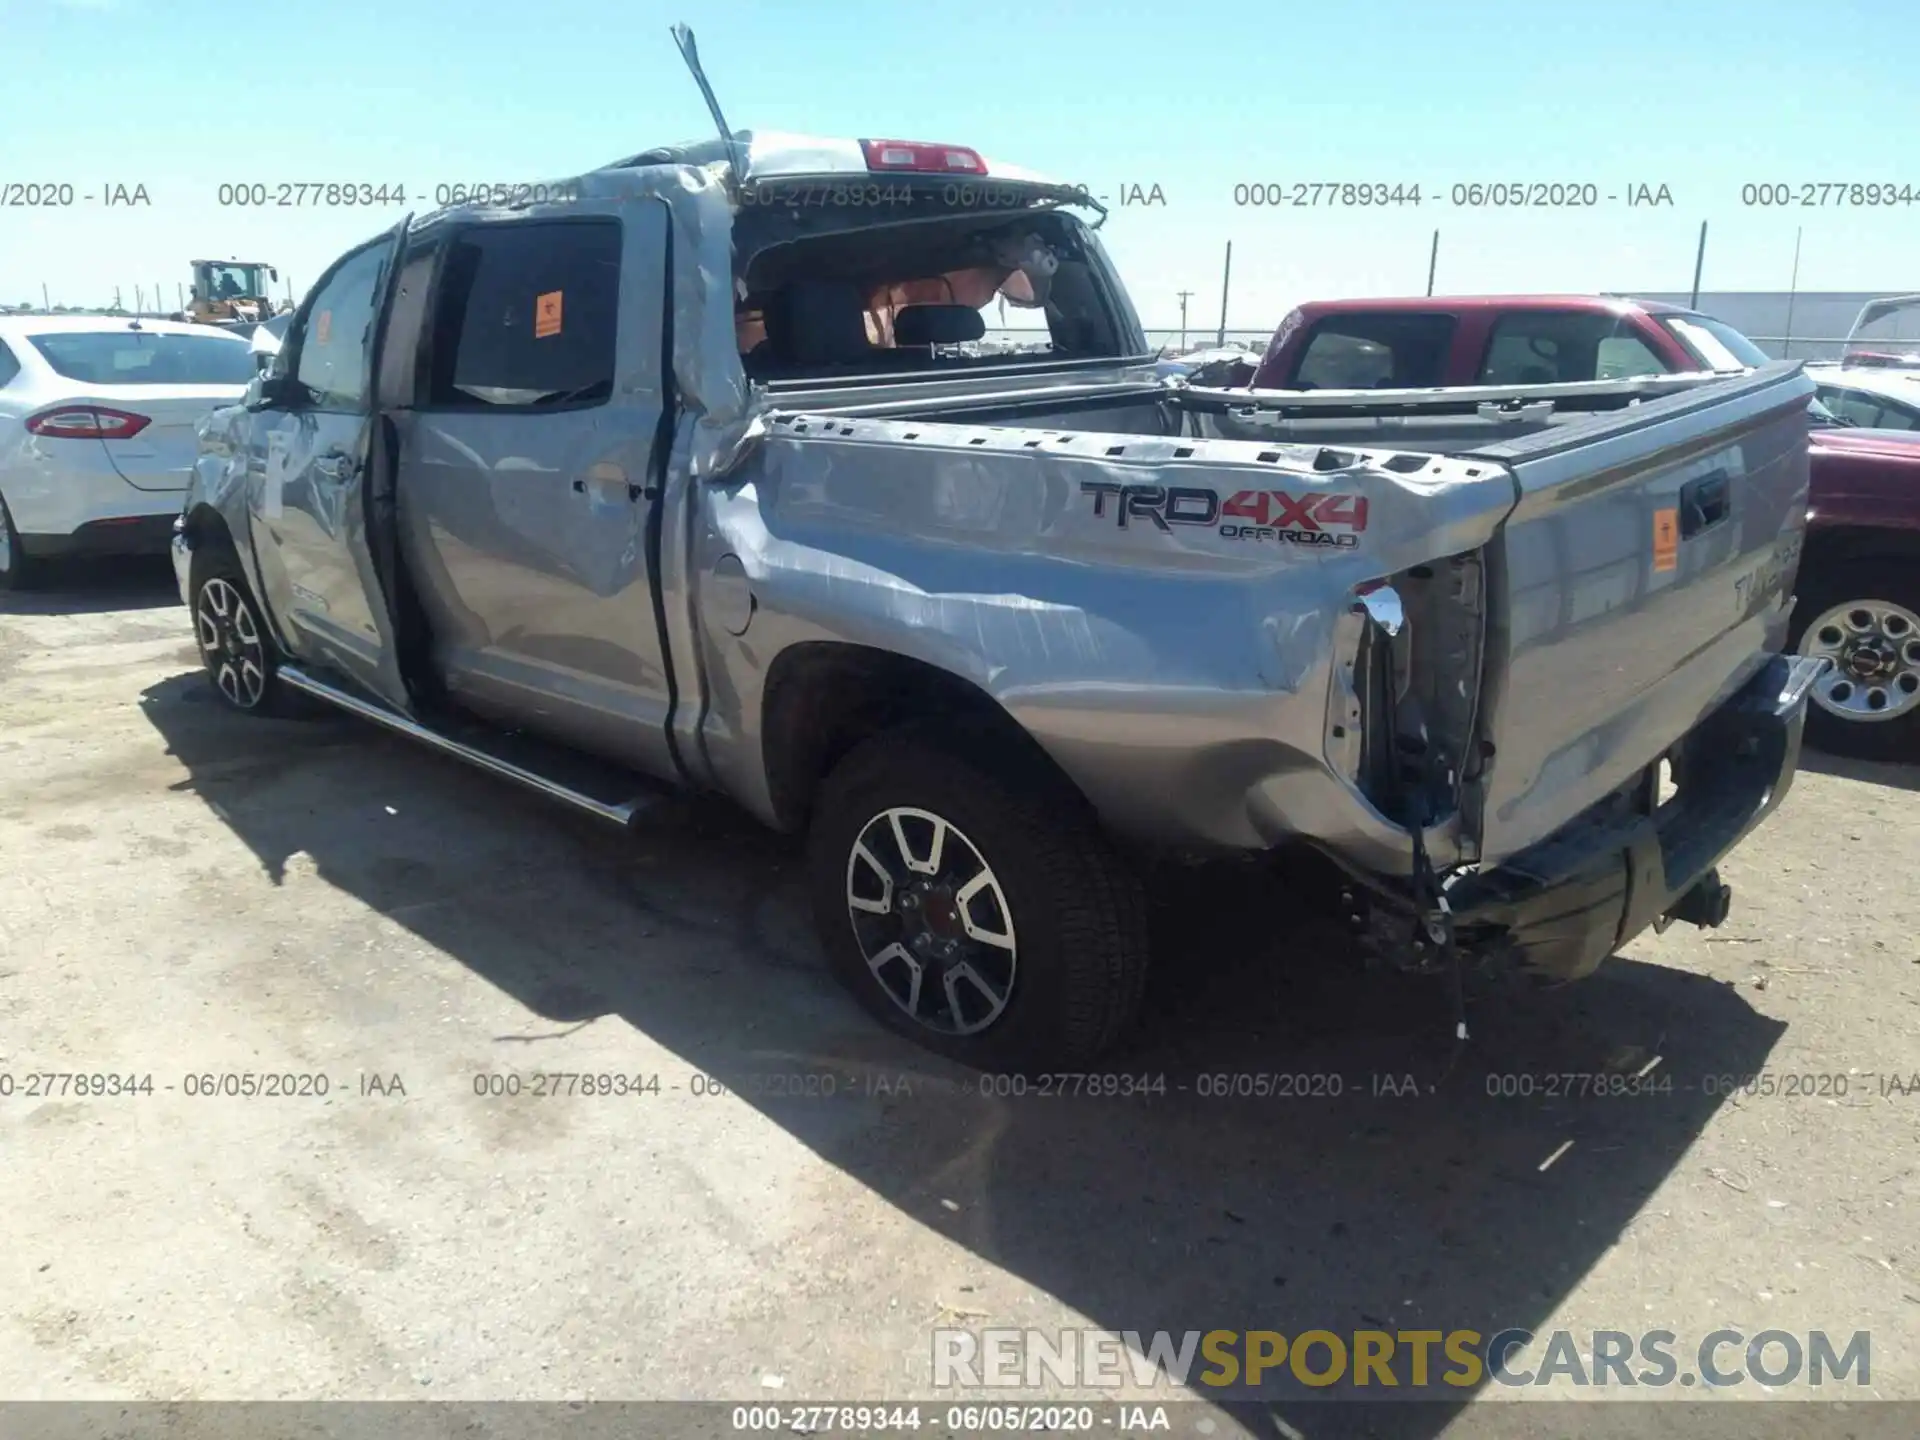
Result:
{"points": [[694, 472]]}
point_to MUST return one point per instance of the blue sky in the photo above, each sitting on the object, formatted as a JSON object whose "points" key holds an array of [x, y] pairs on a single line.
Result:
{"points": [[1700, 96]]}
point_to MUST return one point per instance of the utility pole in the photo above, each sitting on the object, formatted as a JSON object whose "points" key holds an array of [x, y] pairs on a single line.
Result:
{"points": [[1793, 288], [1185, 295], [46, 303], [1699, 259], [1226, 279], [1433, 259]]}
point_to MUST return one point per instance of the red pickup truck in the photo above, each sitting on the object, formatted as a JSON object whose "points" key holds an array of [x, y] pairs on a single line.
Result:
{"points": [[1859, 585]]}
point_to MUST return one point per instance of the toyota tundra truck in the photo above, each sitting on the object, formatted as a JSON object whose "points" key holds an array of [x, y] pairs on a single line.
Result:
{"points": [[693, 473]]}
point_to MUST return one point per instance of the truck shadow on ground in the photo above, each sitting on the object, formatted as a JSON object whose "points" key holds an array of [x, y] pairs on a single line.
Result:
{"points": [[1401, 1196], [95, 587]]}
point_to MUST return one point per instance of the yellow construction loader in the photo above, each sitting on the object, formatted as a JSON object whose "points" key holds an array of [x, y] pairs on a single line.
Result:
{"points": [[225, 291]]}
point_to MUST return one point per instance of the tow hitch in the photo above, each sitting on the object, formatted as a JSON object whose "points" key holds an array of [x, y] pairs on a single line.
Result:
{"points": [[1705, 905]]}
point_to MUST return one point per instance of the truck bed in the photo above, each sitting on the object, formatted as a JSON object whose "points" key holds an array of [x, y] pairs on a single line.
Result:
{"points": [[1160, 584]]}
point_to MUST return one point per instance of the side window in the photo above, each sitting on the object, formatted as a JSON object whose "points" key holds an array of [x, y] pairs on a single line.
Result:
{"points": [[1621, 357], [1371, 352], [528, 315], [335, 345], [9, 367], [1899, 417], [1549, 347], [1515, 357], [1852, 407], [1334, 361]]}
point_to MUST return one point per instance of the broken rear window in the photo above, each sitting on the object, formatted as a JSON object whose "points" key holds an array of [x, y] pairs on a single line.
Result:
{"points": [[913, 294]]}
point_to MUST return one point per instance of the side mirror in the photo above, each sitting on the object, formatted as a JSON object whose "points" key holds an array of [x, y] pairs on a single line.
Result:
{"points": [[272, 274], [267, 391]]}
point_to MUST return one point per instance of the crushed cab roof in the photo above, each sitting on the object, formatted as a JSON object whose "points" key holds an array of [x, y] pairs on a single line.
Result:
{"points": [[779, 153]]}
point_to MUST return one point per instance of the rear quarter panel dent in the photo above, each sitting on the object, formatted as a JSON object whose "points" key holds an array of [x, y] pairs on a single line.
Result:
{"points": [[1179, 678]]}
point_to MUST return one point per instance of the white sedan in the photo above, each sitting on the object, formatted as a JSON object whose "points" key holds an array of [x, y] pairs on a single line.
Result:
{"points": [[97, 439], [1874, 397]]}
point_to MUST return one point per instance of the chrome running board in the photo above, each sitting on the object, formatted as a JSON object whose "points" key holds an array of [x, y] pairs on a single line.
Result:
{"points": [[621, 812]]}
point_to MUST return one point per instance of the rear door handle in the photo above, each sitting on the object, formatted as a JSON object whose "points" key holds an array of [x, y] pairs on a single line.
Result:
{"points": [[1704, 503]]}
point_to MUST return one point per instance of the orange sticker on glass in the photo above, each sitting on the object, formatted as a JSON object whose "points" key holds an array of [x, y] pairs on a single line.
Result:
{"points": [[1666, 539], [546, 315], [323, 326]]}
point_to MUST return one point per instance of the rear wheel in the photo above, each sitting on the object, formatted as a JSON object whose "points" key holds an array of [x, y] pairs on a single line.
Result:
{"points": [[1865, 617], [238, 653], [972, 910], [16, 570]]}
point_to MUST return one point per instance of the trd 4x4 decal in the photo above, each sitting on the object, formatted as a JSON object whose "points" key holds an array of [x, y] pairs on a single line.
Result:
{"points": [[1315, 518]]}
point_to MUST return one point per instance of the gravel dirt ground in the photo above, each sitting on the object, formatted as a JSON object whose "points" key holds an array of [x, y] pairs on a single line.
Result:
{"points": [[184, 892]]}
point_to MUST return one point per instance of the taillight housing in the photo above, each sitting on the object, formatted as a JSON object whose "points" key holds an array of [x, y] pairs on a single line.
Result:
{"points": [[923, 157], [86, 422]]}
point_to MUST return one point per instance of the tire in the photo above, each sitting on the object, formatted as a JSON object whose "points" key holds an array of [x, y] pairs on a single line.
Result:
{"points": [[17, 570], [1864, 614], [1064, 967], [237, 650]]}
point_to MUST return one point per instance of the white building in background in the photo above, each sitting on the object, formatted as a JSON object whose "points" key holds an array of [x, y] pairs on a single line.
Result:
{"points": [[1807, 326]]}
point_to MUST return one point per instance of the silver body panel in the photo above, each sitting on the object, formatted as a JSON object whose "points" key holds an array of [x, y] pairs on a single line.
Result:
{"points": [[526, 535], [1181, 678]]}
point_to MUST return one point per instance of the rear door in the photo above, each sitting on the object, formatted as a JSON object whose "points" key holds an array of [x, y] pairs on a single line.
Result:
{"points": [[1642, 576], [528, 494], [311, 453]]}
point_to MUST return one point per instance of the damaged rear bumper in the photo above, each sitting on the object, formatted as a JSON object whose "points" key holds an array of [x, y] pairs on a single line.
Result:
{"points": [[1566, 904]]}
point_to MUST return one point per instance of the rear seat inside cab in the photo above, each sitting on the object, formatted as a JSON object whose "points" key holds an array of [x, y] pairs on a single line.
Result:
{"points": [[937, 325], [813, 325], [819, 327]]}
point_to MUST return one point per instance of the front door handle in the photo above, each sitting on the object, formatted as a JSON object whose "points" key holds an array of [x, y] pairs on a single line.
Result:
{"points": [[607, 484]]}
